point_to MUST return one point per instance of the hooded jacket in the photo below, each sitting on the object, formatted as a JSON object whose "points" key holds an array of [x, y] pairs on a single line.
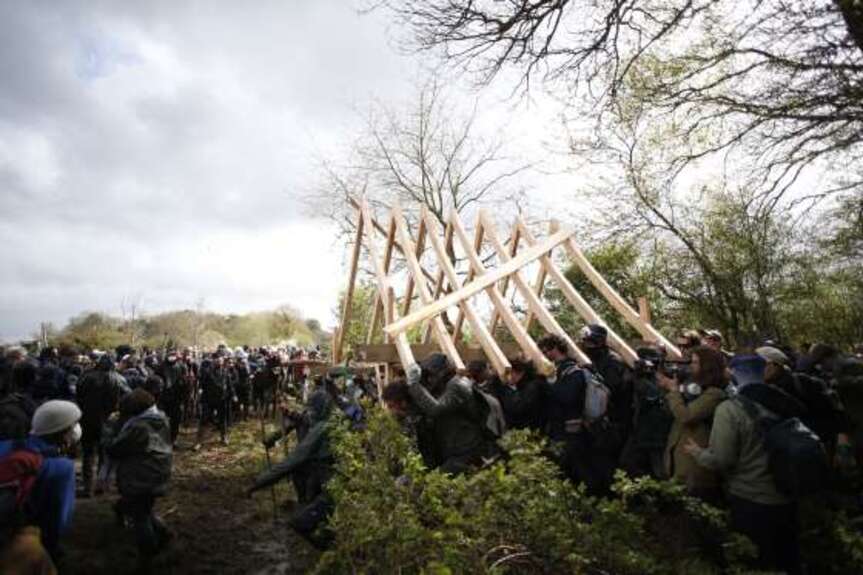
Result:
{"points": [[737, 449], [313, 450], [458, 421], [144, 455]]}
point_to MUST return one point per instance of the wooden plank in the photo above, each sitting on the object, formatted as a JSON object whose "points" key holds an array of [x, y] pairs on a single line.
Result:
{"points": [[647, 331], [377, 313], [381, 353], [384, 288], [575, 299], [479, 284], [495, 355], [515, 238], [380, 229], [409, 291], [349, 295], [538, 282], [441, 333], [644, 309], [471, 273], [534, 304], [438, 288], [525, 342]]}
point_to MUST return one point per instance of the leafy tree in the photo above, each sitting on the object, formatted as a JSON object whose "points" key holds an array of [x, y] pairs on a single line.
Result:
{"points": [[779, 82]]}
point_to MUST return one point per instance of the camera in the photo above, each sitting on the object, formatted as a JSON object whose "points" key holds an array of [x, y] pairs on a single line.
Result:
{"points": [[679, 370]]}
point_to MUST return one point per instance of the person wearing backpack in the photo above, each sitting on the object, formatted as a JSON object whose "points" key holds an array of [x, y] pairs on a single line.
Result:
{"points": [[464, 424], [825, 414], [582, 460], [45, 496], [693, 409], [738, 450]]}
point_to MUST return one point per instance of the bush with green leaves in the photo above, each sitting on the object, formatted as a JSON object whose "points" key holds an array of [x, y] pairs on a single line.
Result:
{"points": [[393, 515]]}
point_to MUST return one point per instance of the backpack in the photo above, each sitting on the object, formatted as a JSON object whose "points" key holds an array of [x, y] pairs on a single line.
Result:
{"points": [[796, 458], [18, 472], [491, 414], [596, 396]]}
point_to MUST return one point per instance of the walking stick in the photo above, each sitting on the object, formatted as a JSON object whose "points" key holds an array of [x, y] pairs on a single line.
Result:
{"points": [[269, 468]]}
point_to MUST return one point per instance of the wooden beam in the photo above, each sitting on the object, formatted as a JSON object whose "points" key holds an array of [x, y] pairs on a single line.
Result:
{"points": [[644, 310], [349, 294], [441, 333], [380, 353], [495, 355], [525, 342], [479, 284], [534, 304], [409, 291], [384, 289], [471, 273], [438, 288], [380, 229], [513, 250], [647, 331], [577, 301]]}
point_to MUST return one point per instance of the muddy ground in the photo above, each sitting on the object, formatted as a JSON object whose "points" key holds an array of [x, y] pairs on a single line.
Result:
{"points": [[216, 529]]}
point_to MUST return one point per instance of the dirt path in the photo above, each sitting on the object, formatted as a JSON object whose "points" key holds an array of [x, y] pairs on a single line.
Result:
{"points": [[216, 529]]}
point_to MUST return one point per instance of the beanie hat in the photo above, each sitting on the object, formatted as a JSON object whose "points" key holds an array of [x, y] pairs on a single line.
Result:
{"points": [[53, 416], [772, 355]]}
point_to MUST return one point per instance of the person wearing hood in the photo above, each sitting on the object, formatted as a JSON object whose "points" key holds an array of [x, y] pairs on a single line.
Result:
{"points": [[143, 454], [54, 432], [825, 414], [736, 449], [464, 423], [310, 465]]}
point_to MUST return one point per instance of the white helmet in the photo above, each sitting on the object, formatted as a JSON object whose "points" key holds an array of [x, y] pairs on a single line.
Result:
{"points": [[53, 416]]}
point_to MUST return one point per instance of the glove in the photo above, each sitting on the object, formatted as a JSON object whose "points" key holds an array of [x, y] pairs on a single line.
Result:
{"points": [[414, 374]]}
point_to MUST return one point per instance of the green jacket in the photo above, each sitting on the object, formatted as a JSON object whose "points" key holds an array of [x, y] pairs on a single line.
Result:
{"points": [[737, 451], [691, 421]]}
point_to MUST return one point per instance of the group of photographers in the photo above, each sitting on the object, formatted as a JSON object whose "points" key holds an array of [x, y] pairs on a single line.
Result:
{"points": [[701, 421]]}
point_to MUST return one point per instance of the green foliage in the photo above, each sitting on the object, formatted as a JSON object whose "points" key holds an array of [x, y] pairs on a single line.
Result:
{"points": [[519, 515], [188, 327]]}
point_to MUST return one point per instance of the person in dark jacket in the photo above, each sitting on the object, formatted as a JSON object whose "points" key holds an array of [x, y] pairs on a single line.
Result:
{"points": [[461, 438], [617, 377], [825, 415], [580, 461], [310, 464], [217, 394], [644, 453], [143, 454], [98, 393], [174, 391], [525, 406]]}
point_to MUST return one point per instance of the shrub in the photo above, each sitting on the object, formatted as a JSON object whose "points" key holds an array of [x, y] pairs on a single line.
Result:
{"points": [[519, 515]]}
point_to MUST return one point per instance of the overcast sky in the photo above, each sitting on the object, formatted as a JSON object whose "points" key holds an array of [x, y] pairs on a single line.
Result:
{"points": [[160, 150]]}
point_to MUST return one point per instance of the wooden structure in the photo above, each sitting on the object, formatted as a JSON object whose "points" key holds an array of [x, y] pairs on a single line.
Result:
{"points": [[445, 287]]}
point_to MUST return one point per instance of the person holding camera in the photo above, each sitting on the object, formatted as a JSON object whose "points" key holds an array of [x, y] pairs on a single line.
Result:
{"points": [[692, 407]]}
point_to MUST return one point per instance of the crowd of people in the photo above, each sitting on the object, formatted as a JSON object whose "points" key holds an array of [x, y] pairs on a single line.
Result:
{"points": [[752, 431], [121, 411]]}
